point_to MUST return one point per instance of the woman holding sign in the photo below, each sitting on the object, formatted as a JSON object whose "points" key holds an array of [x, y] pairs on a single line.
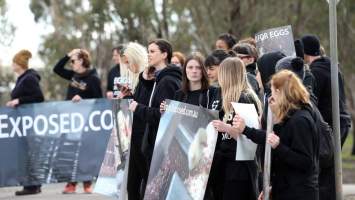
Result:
{"points": [[233, 179], [295, 141], [27, 90]]}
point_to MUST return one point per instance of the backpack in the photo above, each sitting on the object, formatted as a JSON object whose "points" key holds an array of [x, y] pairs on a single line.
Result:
{"points": [[326, 140]]}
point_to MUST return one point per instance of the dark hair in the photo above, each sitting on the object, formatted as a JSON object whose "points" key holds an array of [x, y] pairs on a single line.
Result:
{"points": [[120, 49], [85, 56], [229, 39], [217, 56], [185, 86], [164, 47], [247, 49]]}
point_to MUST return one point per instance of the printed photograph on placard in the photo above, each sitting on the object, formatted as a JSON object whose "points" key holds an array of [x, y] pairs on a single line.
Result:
{"points": [[112, 179], [183, 153], [276, 39]]}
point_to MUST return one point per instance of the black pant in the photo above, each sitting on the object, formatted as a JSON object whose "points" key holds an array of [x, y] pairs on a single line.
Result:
{"points": [[237, 190], [327, 184], [137, 170], [32, 187]]}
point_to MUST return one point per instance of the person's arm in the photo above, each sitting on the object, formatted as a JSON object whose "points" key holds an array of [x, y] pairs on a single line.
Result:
{"points": [[258, 136], [59, 68], [95, 87], [319, 81], [152, 114], [300, 153], [33, 92]]}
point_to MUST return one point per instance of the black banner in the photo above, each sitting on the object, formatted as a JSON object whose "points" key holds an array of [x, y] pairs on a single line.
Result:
{"points": [[53, 142]]}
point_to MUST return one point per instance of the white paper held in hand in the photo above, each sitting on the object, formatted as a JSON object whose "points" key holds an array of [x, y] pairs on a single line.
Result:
{"points": [[245, 147]]}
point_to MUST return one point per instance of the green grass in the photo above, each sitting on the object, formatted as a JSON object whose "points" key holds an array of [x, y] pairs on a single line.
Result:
{"points": [[348, 159]]}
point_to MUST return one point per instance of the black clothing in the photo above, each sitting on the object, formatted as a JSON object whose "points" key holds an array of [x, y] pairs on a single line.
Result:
{"points": [[321, 71], [196, 97], [253, 83], [114, 72], [266, 66], [294, 165], [138, 170], [165, 86], [27, 88], [227, 173], [86, 85], [251, 68]]}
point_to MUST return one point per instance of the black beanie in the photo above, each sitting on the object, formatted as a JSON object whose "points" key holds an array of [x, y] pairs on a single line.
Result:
{"points": [[299, 48], [311, 45]]}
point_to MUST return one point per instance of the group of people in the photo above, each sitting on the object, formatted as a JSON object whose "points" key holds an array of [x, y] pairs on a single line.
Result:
{"points": [[295, 89]]}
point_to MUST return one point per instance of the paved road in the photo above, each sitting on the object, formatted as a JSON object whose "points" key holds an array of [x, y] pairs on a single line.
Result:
{"points": [[53, 192]]}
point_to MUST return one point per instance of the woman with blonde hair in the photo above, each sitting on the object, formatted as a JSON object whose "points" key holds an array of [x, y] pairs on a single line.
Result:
{"points": [[231, 179], [294, 142]]}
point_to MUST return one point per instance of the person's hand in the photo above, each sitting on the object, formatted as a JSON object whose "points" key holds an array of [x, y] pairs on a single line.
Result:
{"points": [[162, 107], [13, 103], [76, 98], [221, 126], [238, 124], [261, 196], [125, 91], [109, 95], [73, 52], [133, 106], [273, 140]]}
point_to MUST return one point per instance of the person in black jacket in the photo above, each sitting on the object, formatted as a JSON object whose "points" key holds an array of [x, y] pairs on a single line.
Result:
{"points": [[294, 142], [167, 80], [84, 84], [231, 179], [114, 72], [27, 90], [321, 69]]}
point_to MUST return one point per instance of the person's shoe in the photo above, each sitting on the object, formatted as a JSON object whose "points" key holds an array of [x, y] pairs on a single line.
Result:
{"points": [[69, 189], [27, 192], [87, 188]]}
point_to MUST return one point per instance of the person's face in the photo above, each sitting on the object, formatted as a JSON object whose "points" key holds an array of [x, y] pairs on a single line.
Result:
{"points": [[247, 60], [116, 57], [176, 61], [275, 94], [155, 56], [132, 67], [17, 68], [76, 64], [193, 71], [220, 44], [212, 73]]}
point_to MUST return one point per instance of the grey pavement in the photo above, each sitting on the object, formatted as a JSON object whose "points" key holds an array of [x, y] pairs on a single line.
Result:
{"points": [[53, 192]]}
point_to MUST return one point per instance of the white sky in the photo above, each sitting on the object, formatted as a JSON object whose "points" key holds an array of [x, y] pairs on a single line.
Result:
{"points": [[27, 35]]}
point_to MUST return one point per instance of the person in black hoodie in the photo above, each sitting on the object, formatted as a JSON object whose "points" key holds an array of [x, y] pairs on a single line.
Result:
{"points": [[294, 142], [84, 84], [232, 179], [320, 67], [167, 81], [27, 90]]}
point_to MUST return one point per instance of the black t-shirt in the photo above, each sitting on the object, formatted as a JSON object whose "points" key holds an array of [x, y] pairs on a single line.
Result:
{"points": [[196, 97], [114, 72]]}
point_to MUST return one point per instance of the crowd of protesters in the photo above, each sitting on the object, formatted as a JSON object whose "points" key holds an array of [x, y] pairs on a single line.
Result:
{"points": [[295, 89]]}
